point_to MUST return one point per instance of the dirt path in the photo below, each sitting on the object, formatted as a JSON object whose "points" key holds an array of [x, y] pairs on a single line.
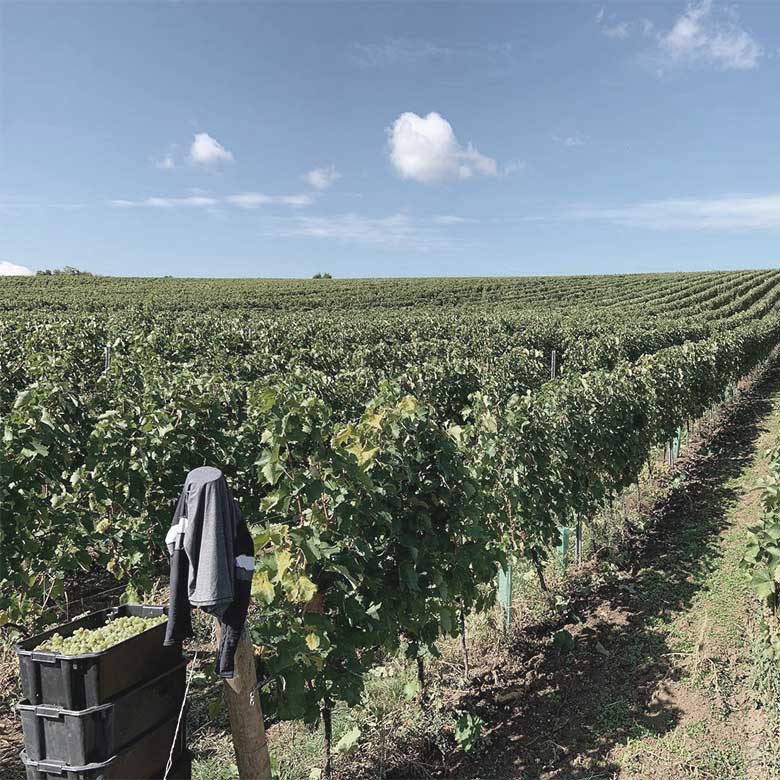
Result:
{"points": [[657, 686]]}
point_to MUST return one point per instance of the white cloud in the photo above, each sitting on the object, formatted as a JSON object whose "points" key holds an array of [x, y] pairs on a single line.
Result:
{"points": [[425, 149], [322, 178], [698, 36], [165, 163], [514, 166], [354, 227], [12, 269], [12, 206], [569, 140], [736, 212], [206, 150], [252, 200], [396, 230], [451, 219], [621, 30], [244, 200], [396, 50], [167, 203], [701, 35], [393, 52]]}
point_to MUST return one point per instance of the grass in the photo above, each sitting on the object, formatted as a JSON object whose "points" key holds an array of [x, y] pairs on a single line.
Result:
{"points": [[394, 729], [689, 752]]}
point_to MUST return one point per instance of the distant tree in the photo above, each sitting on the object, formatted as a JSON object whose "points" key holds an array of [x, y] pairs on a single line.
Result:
{"points": [[68, 270], [322, 276]]}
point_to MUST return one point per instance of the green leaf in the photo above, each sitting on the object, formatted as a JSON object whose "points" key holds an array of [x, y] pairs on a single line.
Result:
{"points": [[272, 471], [265, 399], [468, 729], [283, 561], [21, 398], [214, 709], [408, 404], [563, 641], [262, 587], [411, 689], [40, 448], [304, 590], [762, 582], [365, 457], [349, 740], [773, 531]]}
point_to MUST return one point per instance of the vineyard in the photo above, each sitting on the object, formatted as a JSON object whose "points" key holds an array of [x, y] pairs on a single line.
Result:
{"points": [[392, 443]]}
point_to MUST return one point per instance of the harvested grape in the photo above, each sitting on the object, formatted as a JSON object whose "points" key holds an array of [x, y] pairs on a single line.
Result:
{"points": [[95, 640]]}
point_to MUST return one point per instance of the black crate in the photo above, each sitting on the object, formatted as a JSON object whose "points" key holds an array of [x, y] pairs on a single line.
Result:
{"points": [[145, 759], [97, 733], [81, 681]]}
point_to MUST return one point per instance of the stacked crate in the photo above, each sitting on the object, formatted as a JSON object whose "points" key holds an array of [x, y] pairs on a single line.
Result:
{"points": [[110, 715]]}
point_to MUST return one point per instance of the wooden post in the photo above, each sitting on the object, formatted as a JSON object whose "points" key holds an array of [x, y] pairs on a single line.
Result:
{"points": [[327, 727], [246, 716], [553, 365], [422, 693], [539, 571]]}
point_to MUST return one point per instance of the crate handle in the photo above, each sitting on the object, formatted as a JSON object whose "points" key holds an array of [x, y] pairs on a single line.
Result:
{"points": [[48, 712], [44, 657], [50, 766]]}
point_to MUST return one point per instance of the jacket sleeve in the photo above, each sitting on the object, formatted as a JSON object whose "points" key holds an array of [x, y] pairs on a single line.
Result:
{"points": [[179, 625], [234, 618]]}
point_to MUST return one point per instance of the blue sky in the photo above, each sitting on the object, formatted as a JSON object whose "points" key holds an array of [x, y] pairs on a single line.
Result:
{"points": [[258, 139]]}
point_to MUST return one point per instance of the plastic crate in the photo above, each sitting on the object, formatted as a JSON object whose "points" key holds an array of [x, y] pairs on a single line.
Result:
{"points": [[144, 759], [97, 733], [81, 681]]}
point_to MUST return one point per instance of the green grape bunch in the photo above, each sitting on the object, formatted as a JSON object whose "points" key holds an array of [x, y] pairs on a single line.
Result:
{"points": [[95, 640]]}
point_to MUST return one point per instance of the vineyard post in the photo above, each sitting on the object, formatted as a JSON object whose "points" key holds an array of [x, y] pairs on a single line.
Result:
{"points": [[422, 694], [246, 715], [327, 727], [553, 365], [563, 548], [464, 645], [539, 571], [505, 593], [578, 542]]}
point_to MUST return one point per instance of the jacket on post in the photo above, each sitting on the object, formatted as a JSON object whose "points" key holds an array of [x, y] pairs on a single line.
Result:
{"points": [[212, 562]]}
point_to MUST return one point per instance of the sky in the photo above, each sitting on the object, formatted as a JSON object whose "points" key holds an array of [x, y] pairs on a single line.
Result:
{"points": [[367, 139]]}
